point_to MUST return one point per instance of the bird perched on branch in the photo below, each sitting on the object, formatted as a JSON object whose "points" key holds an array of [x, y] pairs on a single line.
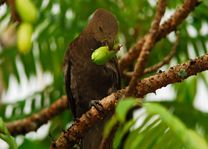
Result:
{"points": [[85, 81]]}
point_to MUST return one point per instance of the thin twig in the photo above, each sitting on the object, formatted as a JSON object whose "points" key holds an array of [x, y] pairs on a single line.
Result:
{"points": [[147, 46], [33, 122], [148, 85], [14, 15], [165, 60], [168, 26]]}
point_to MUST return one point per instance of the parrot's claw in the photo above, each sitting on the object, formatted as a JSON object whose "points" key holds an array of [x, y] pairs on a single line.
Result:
{"points": [[76, 119], [98, 106]]}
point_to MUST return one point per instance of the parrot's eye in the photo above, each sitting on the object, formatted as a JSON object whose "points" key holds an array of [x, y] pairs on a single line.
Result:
{"points": [[100, 29]]}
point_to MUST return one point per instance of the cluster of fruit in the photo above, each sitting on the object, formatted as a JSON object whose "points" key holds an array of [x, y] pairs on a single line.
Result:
{"points": [[28, 14]]}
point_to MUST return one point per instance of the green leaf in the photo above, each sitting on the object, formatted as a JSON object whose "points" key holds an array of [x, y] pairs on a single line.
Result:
{"points": [[151, 136], [34, 144], [124, 106], [195, 141], [140, 135], [177, 127], [4, 134], [122, 130], [109, 126], [134, 134], [186, 91]]}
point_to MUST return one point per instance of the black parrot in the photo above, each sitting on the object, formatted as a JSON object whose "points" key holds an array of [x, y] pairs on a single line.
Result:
{"points": [[85, 81]]}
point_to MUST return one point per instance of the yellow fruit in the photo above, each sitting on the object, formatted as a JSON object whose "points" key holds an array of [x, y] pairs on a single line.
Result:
{"points": [[24, 35], [27, 10]]}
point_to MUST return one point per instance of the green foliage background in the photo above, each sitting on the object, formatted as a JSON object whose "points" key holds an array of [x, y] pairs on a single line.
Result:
{"points": [[54, 30]]}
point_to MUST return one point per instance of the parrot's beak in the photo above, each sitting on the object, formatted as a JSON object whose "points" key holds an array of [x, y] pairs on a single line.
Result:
{"points": [[113, 46], [110, 44]]}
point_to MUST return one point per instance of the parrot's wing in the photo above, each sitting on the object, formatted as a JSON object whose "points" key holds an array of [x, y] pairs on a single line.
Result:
{"points": [[68, 87]]}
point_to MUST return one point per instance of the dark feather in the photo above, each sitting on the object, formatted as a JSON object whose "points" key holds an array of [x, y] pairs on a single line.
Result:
{"points": [[67, 77]]}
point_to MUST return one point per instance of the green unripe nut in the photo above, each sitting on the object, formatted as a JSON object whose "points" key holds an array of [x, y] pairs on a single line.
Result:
{"points": [[102, 55], [24, 35], [27, 10]]}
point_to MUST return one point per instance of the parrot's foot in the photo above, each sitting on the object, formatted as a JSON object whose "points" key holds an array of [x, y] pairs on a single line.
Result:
{"points": [[76, 119], [98, 106]]}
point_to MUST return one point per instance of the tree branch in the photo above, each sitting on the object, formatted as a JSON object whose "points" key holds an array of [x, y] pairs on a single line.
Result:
{"points": [[165, 60], [14, 15], [33, 122], [173, 75], [170, 25], [148, 85], [146, 48]]}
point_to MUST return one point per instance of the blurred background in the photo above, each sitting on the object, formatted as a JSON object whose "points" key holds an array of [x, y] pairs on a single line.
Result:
{"points": [[31, 79]]}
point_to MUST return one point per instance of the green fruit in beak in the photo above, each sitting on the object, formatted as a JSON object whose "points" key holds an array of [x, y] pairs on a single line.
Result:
{"points": [[102, 55]]}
